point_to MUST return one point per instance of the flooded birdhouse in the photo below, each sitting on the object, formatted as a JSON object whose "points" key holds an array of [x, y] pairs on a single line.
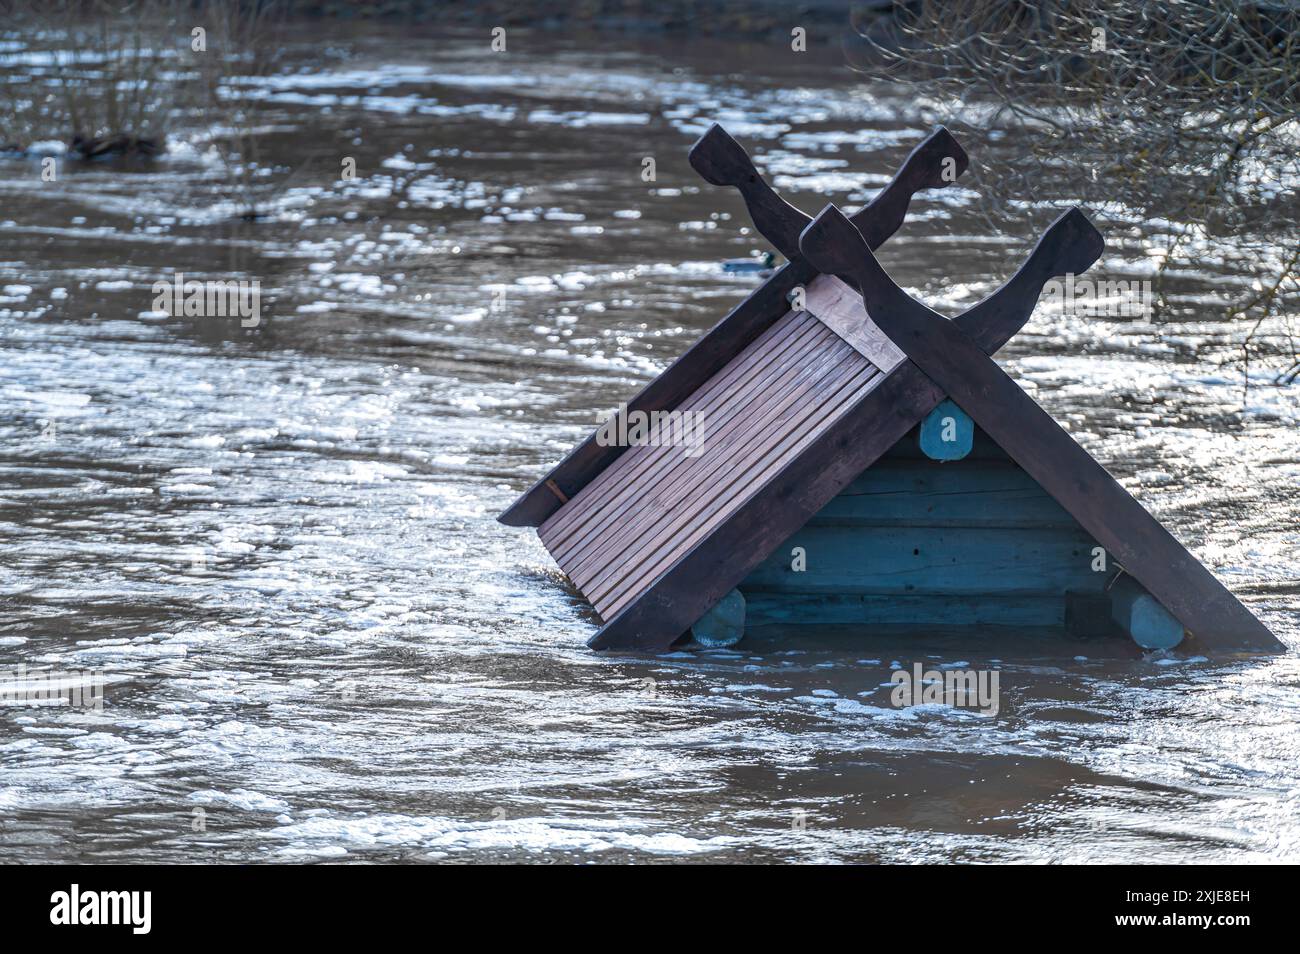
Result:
{"points": [[858, 462]]}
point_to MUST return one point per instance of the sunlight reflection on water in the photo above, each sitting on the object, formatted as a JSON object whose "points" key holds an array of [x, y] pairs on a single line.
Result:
{"points": [[280, 544]]}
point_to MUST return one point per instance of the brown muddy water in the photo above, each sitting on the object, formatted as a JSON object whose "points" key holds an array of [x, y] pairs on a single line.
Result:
{"points": [[278, 543]]}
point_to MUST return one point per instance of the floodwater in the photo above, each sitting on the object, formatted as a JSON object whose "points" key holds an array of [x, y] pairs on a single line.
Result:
{"points": [[277, 544]]}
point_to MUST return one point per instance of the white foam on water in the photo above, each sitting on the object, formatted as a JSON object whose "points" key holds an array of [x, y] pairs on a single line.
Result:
{"points": [[528, 835]]}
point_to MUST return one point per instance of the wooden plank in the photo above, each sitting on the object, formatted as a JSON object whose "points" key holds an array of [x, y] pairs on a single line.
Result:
{"points": [[726, 501], [1069, 247], [875, 577], [671, 501], [721, 161], [645, 474], [630, 494], [765, 608], [724, 506], [936, 163], [587, 504], [717, 392], [924, 560], [1034, 440], [923, 494], [839, 307]]}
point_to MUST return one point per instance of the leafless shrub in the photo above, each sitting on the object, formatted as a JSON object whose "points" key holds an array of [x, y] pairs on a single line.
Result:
{"points": [[99, 75], [244, 44], [114, 77], [1187, 112]]}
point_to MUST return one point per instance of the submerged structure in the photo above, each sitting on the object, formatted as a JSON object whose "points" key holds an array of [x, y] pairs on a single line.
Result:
{"points": [[863, 462]]}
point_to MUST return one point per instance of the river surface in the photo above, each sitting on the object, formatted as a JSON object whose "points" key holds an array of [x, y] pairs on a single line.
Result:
{"points": [[277, 544]]}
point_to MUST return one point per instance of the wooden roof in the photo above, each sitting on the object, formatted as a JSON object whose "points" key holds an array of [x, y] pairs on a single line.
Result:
{"points": [[796, 404]]}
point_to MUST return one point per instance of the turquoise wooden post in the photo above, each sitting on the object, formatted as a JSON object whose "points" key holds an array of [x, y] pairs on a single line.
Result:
{"points": [[947, 432], [723, 625], [1141, 616]]}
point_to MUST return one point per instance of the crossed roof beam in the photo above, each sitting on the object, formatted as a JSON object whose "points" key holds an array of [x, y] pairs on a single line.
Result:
{"points": [[721, 161], [1070, 245]]}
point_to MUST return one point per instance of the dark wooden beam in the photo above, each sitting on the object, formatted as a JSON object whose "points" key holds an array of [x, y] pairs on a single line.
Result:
{"points": [[1069, 247], [721, 161], [935, 164]]}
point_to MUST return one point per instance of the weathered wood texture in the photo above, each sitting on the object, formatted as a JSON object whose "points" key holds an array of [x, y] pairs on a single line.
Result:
{"points": [[1087, 616], [964, 561], [975, 492], [839, 308], [903, 613], [957, 363]]}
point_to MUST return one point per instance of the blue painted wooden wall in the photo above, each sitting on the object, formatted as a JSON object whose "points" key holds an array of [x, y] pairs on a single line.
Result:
{"points": [[919, 542]]}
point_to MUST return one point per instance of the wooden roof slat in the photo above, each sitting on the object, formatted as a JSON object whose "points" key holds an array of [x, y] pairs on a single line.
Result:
{"points": [[760, 389], [724, 507], [713, 390], [750, 426], [806, 334], [785, 341], [794, 416]]}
